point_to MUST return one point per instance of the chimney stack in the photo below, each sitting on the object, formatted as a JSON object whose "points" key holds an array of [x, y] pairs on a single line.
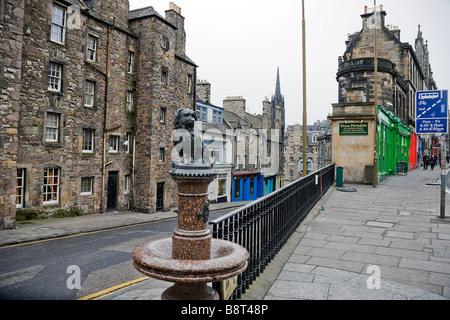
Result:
{"points": [[173, 16], [235, 104]]}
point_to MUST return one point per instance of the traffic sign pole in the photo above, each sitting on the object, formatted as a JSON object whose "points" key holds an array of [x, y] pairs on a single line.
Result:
{"points": [[432, 118], [443, 176]]}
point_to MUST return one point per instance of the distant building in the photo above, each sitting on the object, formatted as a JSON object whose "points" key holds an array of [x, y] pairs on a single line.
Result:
{"points": [[258, 155], [293, 149], [293, 153], [220, 140], [324, 147]]}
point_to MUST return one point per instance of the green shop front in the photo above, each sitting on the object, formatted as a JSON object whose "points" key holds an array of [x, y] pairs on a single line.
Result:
{"points": [[393, 144]]}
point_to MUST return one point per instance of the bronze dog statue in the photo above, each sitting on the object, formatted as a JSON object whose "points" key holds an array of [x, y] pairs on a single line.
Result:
{"points": [[187, 139]]}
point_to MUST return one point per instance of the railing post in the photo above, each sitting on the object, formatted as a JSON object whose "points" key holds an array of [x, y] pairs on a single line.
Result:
{"points": [[258, 240]]}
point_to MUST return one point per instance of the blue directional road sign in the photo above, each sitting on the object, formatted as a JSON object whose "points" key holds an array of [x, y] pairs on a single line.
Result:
{"points": [[431, 111]]}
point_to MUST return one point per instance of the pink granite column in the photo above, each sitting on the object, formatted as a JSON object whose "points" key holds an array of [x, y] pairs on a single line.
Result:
{"points": [[192, 240]]}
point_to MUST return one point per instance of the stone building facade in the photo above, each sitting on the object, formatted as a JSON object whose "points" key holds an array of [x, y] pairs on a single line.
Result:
{"points": [[293, 151], [401, 73], [12, 13], [318, 149], [166, 83], [88, 93]]}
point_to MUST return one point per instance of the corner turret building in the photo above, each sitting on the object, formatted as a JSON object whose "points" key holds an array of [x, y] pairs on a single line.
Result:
{"points": [[402, 71]]}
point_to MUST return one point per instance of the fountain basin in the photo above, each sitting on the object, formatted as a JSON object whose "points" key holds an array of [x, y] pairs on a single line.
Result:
{"points": [[154, 259]]}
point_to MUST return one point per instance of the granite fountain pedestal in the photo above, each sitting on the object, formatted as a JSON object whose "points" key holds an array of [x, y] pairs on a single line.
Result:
{"points": [[191, 258]]}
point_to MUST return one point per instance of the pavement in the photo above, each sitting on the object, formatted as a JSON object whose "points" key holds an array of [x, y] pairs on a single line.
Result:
{"points": [[357, 243], [383, 243]]}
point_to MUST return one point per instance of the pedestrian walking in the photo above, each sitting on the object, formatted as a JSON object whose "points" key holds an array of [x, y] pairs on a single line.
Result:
{"points": [[433, 162], [426, 160]]}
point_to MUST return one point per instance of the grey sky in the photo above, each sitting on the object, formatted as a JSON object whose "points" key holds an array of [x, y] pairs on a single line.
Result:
{"points": [[238, 45]]}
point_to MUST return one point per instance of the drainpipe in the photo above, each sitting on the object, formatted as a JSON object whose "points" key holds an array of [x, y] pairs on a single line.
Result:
{"points": [[133, 166], [194, 88], [104, 164]]}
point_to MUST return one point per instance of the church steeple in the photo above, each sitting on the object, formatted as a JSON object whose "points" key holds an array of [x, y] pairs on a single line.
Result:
{"points": [[278, 102], [278, 86]]}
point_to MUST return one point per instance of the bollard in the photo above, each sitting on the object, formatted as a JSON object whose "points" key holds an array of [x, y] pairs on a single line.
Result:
{"points": [[339, 176]]}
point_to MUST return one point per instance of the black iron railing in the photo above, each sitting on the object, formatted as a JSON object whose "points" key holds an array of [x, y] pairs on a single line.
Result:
{"points": [[264, 226]]}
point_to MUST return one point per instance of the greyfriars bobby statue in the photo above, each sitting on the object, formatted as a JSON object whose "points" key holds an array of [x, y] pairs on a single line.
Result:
{"points": [[191, 257], [187, 139]]}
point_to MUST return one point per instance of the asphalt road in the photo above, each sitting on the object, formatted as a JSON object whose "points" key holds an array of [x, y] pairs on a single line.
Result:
{"points": [[75, 267]]}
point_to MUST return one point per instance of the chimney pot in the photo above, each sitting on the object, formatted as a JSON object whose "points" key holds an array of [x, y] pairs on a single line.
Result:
{"points": [[174, 7]]}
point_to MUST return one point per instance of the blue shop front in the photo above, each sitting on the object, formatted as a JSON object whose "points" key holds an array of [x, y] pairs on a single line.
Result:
{"points": [[247, 186]]}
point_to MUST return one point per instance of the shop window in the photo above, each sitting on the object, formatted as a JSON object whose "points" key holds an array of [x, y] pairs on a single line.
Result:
{"points": [[237, 189], [252, 186], [222, 180]]}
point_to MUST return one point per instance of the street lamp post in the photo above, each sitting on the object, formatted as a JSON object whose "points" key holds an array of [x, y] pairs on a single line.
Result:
{"points": [[305, 137]]}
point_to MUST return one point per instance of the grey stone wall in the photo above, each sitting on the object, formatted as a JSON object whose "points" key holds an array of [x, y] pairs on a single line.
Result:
{"points": [[11, 38]]}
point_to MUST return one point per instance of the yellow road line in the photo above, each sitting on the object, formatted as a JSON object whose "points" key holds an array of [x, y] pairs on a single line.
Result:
{"points": [[104, 293]]}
